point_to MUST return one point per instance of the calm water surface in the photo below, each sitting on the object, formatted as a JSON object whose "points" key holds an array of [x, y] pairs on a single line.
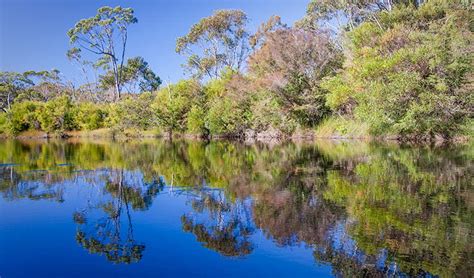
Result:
{"points": [[186, 208]]}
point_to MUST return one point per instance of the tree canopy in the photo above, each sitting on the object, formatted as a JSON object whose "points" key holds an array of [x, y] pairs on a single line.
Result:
{"points": [[215, 42], [105, 35]]}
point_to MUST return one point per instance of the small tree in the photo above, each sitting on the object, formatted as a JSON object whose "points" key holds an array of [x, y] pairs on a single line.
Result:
{"points": [[106, 35]]}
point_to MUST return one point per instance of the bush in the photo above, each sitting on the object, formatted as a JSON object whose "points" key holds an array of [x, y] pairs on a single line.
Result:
{"points": [[173, 103], [413, 76], [267, 113], [228, 104], [132, 112], [24, 116], [342, 127], [89, 116], [196, 122], [57, 115], [227, 117], [4, 123]]}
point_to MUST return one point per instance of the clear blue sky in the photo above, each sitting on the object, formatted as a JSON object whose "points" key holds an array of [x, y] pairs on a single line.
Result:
{"points": [[33, 32]]}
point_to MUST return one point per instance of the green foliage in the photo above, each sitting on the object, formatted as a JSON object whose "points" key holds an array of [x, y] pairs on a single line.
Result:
{"points": [[132, 112], [196, 123], [173, 103], [227, 117], [222, 39], [89, 116], [411, 74], [266, 114], [137, 76], [24, 116], [105, 35], [57, 115], [4, 123], [228, 105]]}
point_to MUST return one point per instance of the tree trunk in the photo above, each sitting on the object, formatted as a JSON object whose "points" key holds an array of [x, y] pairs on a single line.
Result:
{"points": [[117, 79]]}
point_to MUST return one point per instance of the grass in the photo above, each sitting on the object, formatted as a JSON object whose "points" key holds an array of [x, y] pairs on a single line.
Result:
{"points": [[340, 127]]}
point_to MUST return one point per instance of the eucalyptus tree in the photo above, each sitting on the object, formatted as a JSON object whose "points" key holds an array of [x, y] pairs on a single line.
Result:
{"points": [[29, 85], [11, 85], [136, 76], [347, 14], [274, 23], [105, 35], [216, 42]]}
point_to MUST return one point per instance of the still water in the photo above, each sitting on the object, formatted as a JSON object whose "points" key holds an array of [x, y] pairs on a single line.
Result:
{"points": [[188, 208]]}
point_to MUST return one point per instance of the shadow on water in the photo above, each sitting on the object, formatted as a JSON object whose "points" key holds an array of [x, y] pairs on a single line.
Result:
{"points": [[365, 209]]}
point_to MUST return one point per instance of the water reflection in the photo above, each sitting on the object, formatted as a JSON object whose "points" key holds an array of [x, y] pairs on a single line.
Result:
{"points": [[105, 225], [220, 224], [364, 209]]}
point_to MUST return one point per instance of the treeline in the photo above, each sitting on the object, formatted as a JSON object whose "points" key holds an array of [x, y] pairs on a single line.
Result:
{"points": [[373, 68]]}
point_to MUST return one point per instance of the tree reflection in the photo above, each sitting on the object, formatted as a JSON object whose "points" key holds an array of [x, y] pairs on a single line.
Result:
{"points": [[111, 234], [33, 185], [366, 209], [219, 224]]}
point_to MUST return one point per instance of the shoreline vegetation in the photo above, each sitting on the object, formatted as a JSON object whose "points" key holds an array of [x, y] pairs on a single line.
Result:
{"points": [[308, 136], [385, 70]]}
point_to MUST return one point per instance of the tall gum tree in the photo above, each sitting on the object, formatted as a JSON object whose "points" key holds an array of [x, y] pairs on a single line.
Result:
{"points": [[105, 35], [216, 42]]}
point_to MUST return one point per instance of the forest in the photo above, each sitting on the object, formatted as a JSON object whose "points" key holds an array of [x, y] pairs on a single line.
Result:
{"points": [[347, 69]]}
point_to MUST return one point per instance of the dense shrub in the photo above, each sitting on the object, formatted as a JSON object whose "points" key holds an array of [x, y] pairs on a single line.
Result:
{"points": [[4, 123], [290, 65], [411, 75], [89, 116], [228, 104], [24, 116], [266, 114], [196, 123], [132, 112], [227, 117], [56, 115], [173, 103]]}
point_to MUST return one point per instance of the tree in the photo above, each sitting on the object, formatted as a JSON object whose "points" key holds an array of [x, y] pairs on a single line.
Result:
{"points": [[12, 84], [47, 85], [216, 42], [347, 14], [272, 24], [30, 85], [105, 35], [291, 64], [137, 76]]}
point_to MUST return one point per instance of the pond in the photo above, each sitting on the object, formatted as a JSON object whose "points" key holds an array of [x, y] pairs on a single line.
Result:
{"points": [[181, 208]]}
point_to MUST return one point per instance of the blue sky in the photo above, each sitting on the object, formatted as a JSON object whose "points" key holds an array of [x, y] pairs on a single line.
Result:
{"points": [[33, 32]]}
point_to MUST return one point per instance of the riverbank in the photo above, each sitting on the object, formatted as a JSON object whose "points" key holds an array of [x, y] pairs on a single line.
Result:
{"points": [[249, 136]]}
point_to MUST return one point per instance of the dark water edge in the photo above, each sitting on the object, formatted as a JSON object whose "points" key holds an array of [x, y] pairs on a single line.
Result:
{"points": [[184, 207], [302, 136]]}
